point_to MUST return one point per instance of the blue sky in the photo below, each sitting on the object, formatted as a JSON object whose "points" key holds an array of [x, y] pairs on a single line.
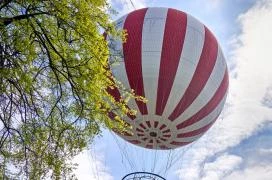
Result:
{"points": [[239, 145]]}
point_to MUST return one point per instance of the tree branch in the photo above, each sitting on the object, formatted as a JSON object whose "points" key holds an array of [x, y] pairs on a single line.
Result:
{"points": [[7, 20]]}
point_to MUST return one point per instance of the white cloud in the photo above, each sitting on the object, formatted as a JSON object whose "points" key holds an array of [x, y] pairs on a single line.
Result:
{"points": [[221, 166], [267, 152], [252, 173], [91, 166], [249, 83], [267, 99]]}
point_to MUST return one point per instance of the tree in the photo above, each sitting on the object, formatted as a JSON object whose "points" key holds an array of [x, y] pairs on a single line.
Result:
{"points": [[54, 78]]}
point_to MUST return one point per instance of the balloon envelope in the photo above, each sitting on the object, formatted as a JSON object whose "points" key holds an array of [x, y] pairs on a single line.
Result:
{"points": [[175, 62]]}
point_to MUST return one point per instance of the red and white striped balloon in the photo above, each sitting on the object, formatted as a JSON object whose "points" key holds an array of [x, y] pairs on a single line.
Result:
{"points": [[176, 63]]}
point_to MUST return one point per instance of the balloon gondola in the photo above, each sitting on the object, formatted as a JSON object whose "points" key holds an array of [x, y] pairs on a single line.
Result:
{"points": [[142, 176]]}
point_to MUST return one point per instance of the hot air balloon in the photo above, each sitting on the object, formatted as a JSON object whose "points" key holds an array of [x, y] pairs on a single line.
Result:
{"points": [[176, 63]]}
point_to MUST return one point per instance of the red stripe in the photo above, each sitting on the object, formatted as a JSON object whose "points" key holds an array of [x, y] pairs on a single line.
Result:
{"points": [[166, 131], [114, 92], [179, 143], [210, 106], [123, 133], [105, 35], [164, 147], [162, 126], [197, 131], [142, 126], [156, 124], [111, 115], [148, 124], [134, 141], [132, 50], [137, 129], [126, 133], [162, 139], [201, 75], [173, 40]]}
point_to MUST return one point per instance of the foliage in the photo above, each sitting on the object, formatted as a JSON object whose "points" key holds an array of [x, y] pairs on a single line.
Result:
{"points": [[53, 84]]}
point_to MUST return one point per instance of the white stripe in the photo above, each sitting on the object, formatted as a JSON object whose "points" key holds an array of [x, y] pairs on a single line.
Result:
{"points": [[207, 119], [118, 69], [191, 52], [152, 40], [213, 83]]}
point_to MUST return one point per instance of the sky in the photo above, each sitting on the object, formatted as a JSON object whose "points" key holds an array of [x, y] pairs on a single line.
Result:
{"points": [[239, 144]]}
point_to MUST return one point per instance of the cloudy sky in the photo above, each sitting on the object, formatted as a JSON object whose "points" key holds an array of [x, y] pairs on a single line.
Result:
{"points": [[239, 145]]}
